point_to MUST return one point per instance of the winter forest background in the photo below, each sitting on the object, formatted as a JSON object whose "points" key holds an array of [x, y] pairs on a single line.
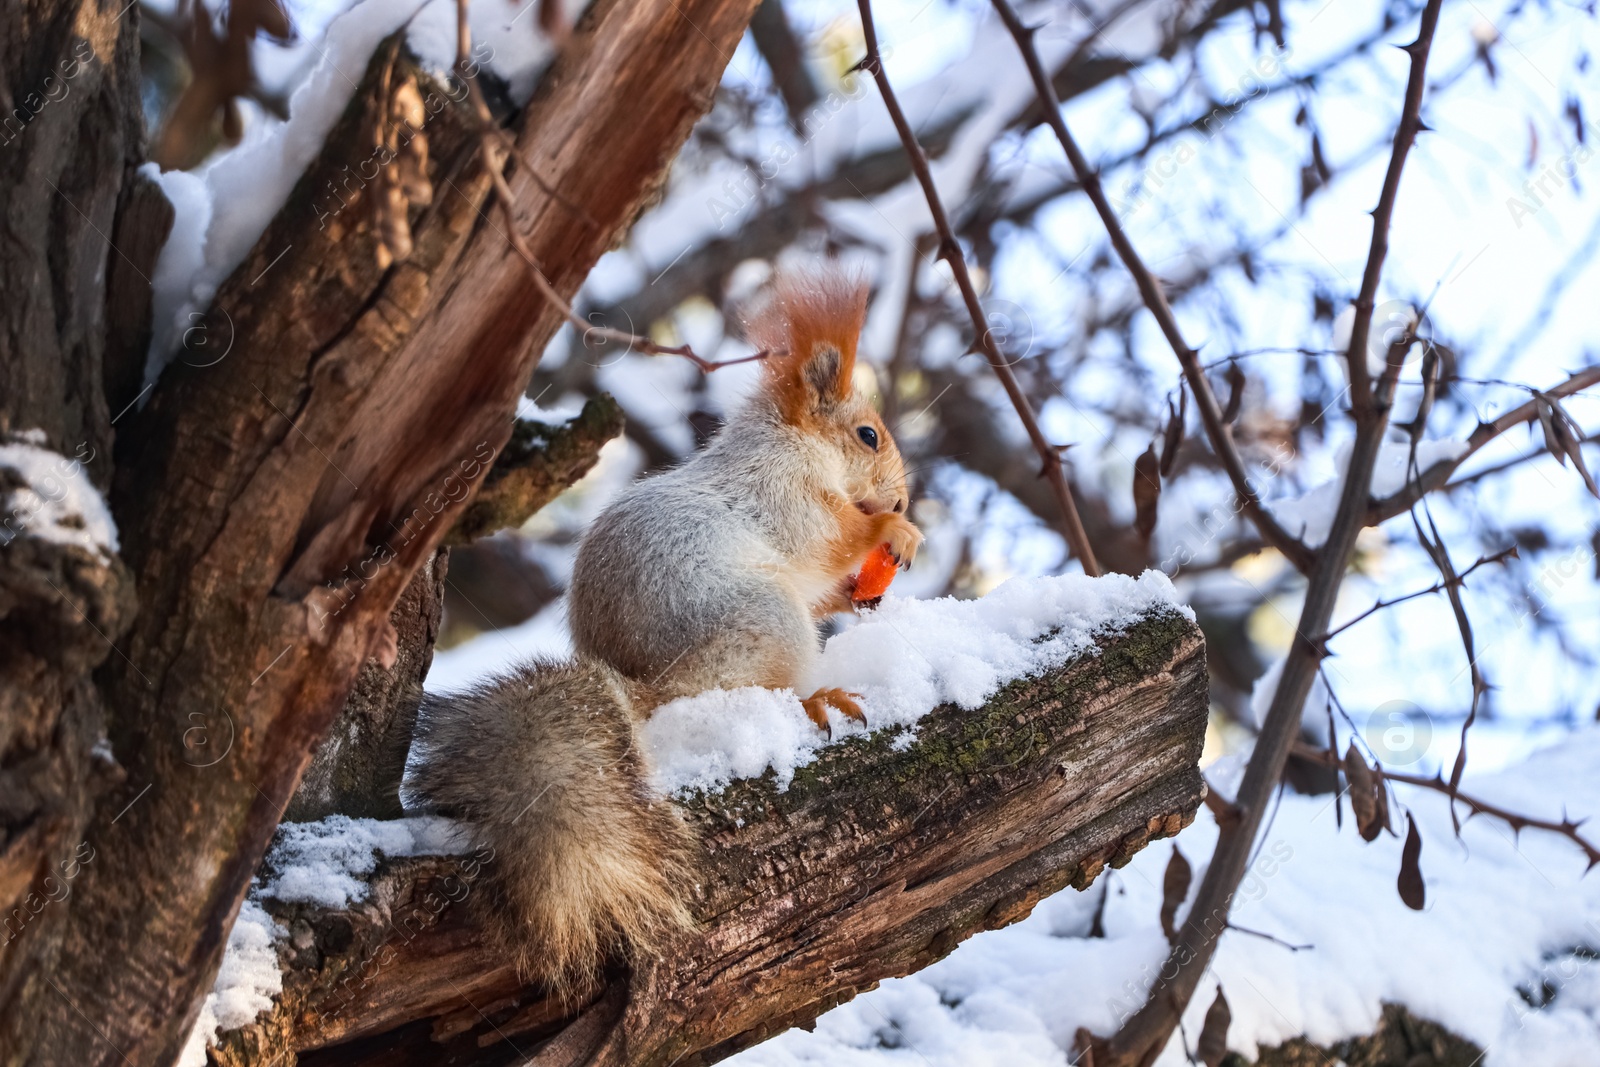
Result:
{"points": [[1243, 147]]}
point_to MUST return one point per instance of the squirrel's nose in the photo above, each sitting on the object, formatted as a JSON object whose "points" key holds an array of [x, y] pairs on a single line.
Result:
{"points": [[900, 505]]}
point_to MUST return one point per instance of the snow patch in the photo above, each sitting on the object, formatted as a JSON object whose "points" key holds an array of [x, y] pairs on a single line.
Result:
{"points": [[326, 862], [905, 659], [56, 501], [1504, 917], [246, 982]]}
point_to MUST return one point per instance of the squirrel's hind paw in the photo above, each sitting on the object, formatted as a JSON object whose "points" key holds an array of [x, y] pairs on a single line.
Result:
{"points": [[817, 705]]}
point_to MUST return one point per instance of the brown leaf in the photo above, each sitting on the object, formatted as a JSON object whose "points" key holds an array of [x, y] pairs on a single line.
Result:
{"points": [[1174, 888], [1235, 379], [273, 19], [1146, 491], [1564, 437], [232, 122], [1173, 436], [1410, 884], [1367, 800], [1213, 1044]]}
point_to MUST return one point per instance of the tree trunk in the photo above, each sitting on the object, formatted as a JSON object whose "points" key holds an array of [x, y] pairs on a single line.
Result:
{"points": [[272, 506], [878, 860], [69, 140]]}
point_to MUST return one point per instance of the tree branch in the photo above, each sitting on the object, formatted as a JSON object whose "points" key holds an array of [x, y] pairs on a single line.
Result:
{"points": [[276, 502], [1146, 1033], [1438, 475], [1155, 299], [1567, 828], [535, 466], [878, 859], [1442, 584], [950, 252]]}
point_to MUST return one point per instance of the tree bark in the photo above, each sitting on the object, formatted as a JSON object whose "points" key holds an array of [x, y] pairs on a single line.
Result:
{"points": [[877, 860], [273, 505], [69, 140], [358, 766]]}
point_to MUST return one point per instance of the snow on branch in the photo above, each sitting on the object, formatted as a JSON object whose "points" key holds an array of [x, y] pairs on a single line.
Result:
{"points": [[1020, 743]]}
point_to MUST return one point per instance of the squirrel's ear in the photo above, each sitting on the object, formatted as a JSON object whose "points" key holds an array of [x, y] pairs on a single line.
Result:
{"points": [[828, 374], [810, 328]]}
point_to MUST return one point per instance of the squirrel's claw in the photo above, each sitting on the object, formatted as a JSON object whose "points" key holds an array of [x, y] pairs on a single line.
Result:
{"points": [[817, 705]]}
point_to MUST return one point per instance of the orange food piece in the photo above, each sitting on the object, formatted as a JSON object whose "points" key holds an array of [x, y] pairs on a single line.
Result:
{"points": [[876, 573]]}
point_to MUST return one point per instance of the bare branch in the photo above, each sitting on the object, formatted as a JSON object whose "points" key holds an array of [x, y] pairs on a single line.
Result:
{"points": [[1567, 828], [950, 252], [494, 149], [1438, 475], [1155, 299], [1361, 401], [1148, 1031], [1459, 579]]}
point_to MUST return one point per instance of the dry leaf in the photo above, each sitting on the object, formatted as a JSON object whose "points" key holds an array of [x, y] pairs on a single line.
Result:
{"points": [[1213, 1045], [1146, 491], [1174, 888], [1410, 884], [1173, 437], [553, 20], [1235, 379], [1368, 801]]}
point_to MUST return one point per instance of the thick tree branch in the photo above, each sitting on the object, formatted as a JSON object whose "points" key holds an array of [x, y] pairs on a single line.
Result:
{"points": [[535, 466], [878, 859], [1217, 431], [950, 251]]}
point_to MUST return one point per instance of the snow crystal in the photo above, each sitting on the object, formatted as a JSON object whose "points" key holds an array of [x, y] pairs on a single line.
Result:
{"points": [[57, 502], [905, 659], [326, 862], [246, 982], [1503, 917], [1310, 515]]}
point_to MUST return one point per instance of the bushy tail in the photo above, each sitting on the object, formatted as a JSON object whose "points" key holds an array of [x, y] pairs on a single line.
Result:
{"points": [[543, 762]]}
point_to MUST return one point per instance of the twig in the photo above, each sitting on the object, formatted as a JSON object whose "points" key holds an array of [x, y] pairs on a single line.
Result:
{"points": [[1267, 937], [1438, 475], [493, 148], [1155, 299], [1143, 1036], [1567, 828], [1498, 557], [950, 252]]}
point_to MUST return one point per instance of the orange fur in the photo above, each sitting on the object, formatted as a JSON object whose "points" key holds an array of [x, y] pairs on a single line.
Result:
{"points": [[806, 315], [812, 323]]}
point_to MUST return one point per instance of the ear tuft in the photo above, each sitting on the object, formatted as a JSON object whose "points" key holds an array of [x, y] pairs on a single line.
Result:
{"points": [[810, 324]]}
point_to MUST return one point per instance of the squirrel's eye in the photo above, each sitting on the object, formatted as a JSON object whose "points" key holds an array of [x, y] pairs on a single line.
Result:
{"points": [[869, 436]]}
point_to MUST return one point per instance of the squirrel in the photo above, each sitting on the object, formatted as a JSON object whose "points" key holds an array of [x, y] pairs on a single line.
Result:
{"points": [[715, 574]]}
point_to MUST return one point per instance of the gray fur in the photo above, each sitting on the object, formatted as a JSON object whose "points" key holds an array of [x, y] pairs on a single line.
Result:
{"points": [[708, 576], [542, 763], [719, 546]]}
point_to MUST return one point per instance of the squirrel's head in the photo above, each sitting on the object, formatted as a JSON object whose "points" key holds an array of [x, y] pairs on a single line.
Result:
{"points": [[810, 326]]}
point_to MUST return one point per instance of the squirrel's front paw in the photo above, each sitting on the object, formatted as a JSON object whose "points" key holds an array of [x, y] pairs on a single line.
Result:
{"points": [[903, 540]]}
